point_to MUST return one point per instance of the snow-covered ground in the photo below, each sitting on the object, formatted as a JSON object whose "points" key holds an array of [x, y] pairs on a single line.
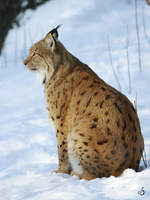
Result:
{"points": [[28, 152]]}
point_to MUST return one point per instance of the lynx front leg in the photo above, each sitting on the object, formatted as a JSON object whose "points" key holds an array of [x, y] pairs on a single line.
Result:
{"points": [[64, 166]]}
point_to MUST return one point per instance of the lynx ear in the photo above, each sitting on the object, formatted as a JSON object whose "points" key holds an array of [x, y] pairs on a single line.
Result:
{"points": [[54, 32], [51, 38], [50, 41]]}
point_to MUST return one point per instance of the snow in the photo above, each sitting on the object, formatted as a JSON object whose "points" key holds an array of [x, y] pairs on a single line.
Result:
{"points": [[28, 147]]}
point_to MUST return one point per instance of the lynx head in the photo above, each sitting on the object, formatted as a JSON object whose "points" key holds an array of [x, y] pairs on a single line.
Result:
{"points": [[45, 55]]}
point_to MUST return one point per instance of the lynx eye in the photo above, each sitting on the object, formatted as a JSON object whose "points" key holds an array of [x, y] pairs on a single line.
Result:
{"points": [[35, 58], [33, 54]]}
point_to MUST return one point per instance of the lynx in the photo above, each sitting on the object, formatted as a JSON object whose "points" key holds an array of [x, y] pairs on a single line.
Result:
{"points": [[97, 127]]}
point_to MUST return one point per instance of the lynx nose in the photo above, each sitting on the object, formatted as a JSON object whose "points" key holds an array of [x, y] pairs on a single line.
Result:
{"points": [[26, 61]]}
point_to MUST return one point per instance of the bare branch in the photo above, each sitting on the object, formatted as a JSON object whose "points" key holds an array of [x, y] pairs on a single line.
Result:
{"points": [[113, 69], [10, 12], [33, 4], [144, 26], [128, 61], [138, 37]]}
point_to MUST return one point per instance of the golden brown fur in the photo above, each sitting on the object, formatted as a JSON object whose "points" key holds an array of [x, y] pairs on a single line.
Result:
{"points": [[97, 127]]}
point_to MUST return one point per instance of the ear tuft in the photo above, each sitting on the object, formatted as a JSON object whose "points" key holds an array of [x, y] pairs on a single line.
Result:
{"points": [[54, 32]]}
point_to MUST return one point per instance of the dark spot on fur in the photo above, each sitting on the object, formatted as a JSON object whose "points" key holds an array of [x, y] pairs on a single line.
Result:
{"points": [[88, 103], [113, 152], [72, 80], [96, 81], [62, 106], [89, 114], [102, 88], [90, 138], [118, 169], [107, 157], [125, 145], [80, 147], [106, 113], [58, 117], [107, 97], [135, 138], [134, 127], [90, 86], [134, 149], [123, 163], [105, 165], [93, 126], [88, 156], [102, 142], [62, 133], [57, 131], [61, 124], [119, 99], [95, 119], [96, 150], [108, 131], [115, 142], [82, 93], [48, 109], [81, 134], [78, 102], [52, 118], [118, 108], [137, 162], [96, 157], [126, 155], [118, 124], [96, 93], [108, 120], [133, 108], [96, 161], [86, 78], [101, 104], [85, 150], [124, 125], [85, 143], [123, 137], [129, 116]]}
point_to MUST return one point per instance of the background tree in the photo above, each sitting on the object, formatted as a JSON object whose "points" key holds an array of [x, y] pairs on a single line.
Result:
{"points": [[10, 10], [148, 2]]}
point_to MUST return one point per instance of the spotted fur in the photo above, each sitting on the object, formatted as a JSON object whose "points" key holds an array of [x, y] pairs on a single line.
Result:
{"points": [[97, 127]]}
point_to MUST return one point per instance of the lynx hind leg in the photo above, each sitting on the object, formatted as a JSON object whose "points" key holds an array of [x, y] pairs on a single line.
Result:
{"points": [[83, 155]]}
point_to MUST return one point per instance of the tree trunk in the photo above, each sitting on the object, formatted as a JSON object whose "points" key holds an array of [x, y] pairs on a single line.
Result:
{"points": [[9, 11], [148, 2]]}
